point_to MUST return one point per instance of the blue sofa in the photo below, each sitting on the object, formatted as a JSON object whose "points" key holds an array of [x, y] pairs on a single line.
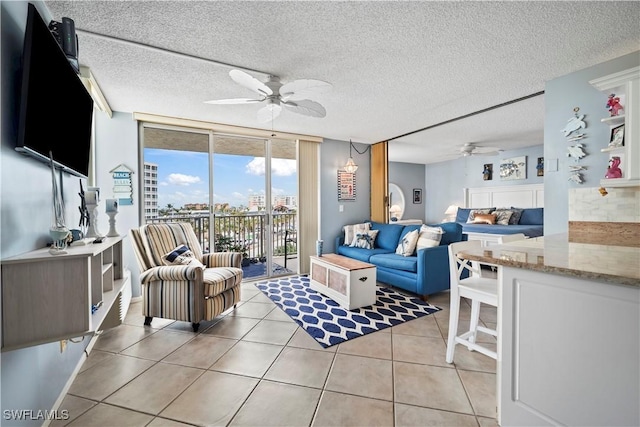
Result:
{"points": [[424, 273]]}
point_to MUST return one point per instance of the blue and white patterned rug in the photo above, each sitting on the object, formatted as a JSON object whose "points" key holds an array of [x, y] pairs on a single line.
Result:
{"points": [[330, 324]]}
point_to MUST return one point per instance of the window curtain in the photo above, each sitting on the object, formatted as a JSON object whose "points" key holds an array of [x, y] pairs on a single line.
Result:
{"points": [[308, 201]]}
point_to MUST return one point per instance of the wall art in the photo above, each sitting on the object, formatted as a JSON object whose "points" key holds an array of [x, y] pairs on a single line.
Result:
{"points": [[487, 172], [540, 167], [513, 168], [417, 195], [346, 185]]}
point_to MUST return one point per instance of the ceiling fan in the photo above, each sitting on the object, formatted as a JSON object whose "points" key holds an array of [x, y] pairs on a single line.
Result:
{"points": [[469, 149], [276, 95]]}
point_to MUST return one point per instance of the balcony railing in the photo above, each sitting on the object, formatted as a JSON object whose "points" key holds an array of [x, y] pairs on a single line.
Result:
{"points": [[243, 232]]}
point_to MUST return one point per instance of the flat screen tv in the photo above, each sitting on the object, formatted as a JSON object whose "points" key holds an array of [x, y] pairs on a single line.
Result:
{"points": [[56, 111]]}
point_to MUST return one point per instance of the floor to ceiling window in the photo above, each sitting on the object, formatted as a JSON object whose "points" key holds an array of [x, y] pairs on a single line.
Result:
{"points": [[239, 193]]}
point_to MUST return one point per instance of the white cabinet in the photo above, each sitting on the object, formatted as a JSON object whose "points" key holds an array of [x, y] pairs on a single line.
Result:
{"points": [[46, 298], [568, 350], [626, 85]]}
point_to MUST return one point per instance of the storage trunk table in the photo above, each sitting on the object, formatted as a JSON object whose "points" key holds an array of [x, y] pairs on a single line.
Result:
{"points": [[349, 282]]}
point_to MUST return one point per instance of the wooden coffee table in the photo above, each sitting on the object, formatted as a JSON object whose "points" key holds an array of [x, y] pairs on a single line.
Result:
{"points": [[349, 282]]}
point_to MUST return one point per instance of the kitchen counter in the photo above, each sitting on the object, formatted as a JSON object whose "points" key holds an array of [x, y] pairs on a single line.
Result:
{"points": [[568, 325], [582, 257]]}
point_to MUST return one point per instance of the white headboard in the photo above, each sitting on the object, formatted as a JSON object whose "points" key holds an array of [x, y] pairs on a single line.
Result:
{"points": [[519, 196]]}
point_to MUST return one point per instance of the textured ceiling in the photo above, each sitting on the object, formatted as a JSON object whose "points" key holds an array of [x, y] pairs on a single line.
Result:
{"points": [[395, 67]]}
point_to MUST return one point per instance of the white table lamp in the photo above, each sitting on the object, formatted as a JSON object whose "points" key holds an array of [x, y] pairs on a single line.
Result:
{"points": [[450, 213], [395, 211]]}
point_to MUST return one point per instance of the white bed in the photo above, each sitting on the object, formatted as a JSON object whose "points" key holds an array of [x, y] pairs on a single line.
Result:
{"points": [[521, 196]]}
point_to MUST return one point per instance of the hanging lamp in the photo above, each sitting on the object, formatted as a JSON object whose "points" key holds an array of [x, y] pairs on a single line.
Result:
{"points": [[350, 167]]}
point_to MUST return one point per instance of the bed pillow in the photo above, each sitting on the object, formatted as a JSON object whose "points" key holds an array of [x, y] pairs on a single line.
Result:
{"points": [[503, 216], [407, 245], [181, 255], [484, 219], [463, 214], [515, 217], [429, 237], [532, 216], [474, 212], [365, 240], [350, 232]]}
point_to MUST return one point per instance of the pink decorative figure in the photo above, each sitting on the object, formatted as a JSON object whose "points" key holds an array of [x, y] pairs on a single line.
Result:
{"points": [[613, 105], [614, 171]]}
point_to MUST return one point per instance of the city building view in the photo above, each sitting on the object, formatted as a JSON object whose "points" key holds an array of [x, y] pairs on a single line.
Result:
{"points": [[176, 189]]}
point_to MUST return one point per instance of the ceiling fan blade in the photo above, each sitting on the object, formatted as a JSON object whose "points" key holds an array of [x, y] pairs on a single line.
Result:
{"points": [[269, 112], [251, 83], [304, 87], [234, 101], [306, 107]]}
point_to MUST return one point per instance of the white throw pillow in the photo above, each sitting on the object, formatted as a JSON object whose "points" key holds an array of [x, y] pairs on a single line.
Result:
{"points": [[365, 240], [181, 255], [429, 237], [407, 245], [350, 232]]}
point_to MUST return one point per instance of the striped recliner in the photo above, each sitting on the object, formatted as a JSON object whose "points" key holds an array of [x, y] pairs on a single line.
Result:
{"points": [[184, 292]]}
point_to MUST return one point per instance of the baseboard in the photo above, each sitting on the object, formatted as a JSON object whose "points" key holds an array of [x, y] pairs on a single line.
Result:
{"points": [[74, 374], [136, 299]]}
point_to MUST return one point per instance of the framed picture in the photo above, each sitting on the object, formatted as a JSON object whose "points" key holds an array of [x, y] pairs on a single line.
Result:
{"points": [[617, 137], [513, 168], [346, 185], [487, 172], [417, 195], [540, 167]]}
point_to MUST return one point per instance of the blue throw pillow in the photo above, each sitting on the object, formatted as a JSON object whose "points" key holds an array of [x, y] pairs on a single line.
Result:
{"points": [[463, 214], [389, 235], [532, 216]]}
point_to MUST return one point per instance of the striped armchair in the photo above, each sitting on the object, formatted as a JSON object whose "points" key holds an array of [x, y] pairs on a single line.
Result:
{"points": [[186, 292]]}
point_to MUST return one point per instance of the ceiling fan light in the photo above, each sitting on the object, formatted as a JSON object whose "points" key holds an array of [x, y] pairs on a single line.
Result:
{"points": [[350, 167]]}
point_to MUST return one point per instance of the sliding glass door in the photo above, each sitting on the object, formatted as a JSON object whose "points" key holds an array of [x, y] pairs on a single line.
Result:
{"points": [[240, 193]]}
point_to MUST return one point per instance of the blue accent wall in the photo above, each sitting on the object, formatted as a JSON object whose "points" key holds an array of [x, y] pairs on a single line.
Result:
{"points": [[562, 95], [408, 176], [33, 377], [446, 181], [333, 156]]}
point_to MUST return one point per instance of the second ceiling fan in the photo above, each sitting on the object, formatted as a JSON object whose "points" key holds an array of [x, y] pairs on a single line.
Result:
{"points": [[277, 95]]}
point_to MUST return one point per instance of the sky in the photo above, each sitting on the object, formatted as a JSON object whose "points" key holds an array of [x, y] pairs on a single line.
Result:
{"points": [[183, 177]]}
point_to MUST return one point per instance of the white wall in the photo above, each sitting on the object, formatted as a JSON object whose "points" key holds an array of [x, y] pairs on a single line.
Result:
{"points": [[117, 143]]}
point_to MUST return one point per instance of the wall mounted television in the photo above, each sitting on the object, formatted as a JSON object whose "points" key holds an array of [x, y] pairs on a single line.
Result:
{"points": [[56, 111]]}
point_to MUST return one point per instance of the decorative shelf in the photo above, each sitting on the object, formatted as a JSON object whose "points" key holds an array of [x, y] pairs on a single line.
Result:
{"points": [[619, 182], [613, 120], [613, 150]]}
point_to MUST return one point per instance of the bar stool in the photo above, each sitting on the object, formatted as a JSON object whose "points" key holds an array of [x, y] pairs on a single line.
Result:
{"points": [[480, 290]]}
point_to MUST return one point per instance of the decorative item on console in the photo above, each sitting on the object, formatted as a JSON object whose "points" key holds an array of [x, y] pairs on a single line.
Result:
{"points": [[112, 211], [613, 105], [92, 198], [58, 231]]}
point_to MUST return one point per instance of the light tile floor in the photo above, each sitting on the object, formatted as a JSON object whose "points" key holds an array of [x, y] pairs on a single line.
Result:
{"points": [[255, 367]]}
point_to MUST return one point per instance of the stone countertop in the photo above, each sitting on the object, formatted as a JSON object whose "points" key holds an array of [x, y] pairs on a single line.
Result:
{"points": [[558, 254]]}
